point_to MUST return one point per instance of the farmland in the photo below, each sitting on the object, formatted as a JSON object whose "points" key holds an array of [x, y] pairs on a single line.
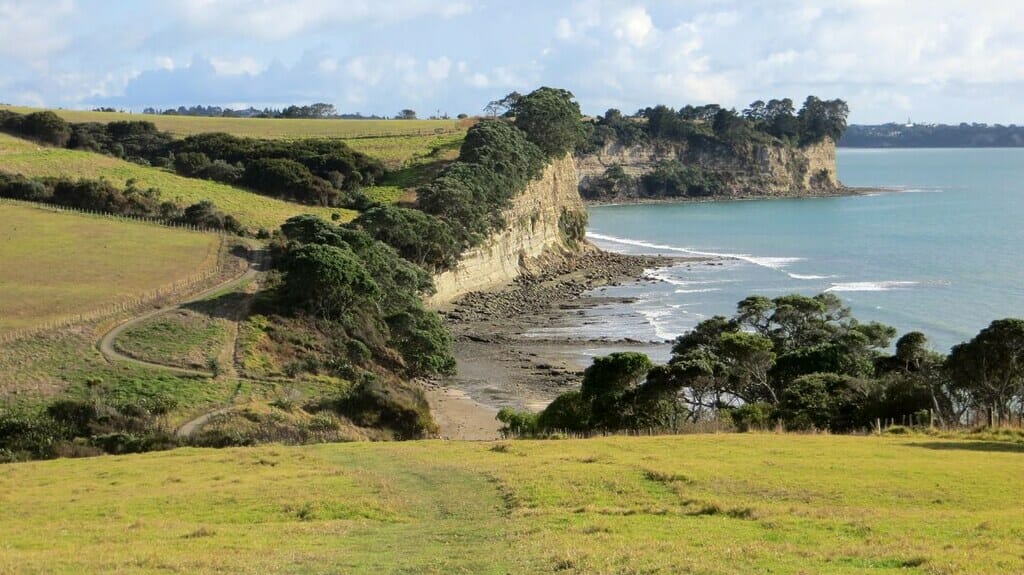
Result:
{"points": [[253, 210], [272, 128], [696, 504], [61, 264]]}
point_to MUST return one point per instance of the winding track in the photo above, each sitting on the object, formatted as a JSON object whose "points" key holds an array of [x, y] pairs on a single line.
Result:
{"points": [[105, 345]]}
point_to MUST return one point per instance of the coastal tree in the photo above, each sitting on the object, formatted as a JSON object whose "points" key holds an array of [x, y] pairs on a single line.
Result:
{"points": [[550, 118], [990, 368]]}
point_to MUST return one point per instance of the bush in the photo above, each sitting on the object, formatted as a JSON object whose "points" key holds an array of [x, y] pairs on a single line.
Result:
{"points": [[550, 118], [750, 416], [568, 412], [517, 423], [45, 127], [190, 163]]}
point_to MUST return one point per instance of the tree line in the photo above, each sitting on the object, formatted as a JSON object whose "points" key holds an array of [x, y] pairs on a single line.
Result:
{"points": [[800, 362], [310, 171], [776, 120], [964, 135], [104, 196]]}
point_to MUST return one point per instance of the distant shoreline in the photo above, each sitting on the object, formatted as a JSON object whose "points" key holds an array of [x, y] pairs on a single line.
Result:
{"points": [[846, 191]]}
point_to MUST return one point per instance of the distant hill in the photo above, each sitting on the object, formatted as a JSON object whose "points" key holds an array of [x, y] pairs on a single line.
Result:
{"points": [[964, 135]]}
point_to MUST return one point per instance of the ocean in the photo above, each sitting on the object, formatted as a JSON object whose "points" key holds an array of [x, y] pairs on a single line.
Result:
{"points": [[941, 253]]}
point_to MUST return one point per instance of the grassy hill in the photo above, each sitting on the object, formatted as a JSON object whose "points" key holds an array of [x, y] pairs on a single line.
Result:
{"points": [[693, 504], [273, 128], [253, 210], [56, 265]]}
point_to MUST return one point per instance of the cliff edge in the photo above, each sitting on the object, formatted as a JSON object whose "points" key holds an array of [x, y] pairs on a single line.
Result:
{"points": [[615, 172], [545, 221]]}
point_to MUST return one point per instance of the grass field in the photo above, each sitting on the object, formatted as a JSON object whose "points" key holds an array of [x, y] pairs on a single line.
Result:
{"points": [[266, 127], [690, 504], [180, 338], [253, 210], [54, 265]]}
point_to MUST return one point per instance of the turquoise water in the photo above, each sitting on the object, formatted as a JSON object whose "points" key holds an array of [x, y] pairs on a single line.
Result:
{"points": [[942, 255]]}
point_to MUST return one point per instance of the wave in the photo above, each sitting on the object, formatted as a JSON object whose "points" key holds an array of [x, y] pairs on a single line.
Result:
{"points": [[774, 263], [870, 286], [699, 290], [654, 318], [807, 277]]}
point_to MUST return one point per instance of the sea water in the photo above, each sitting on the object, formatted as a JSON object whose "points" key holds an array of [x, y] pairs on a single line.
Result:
{"points": [[940, 252]]}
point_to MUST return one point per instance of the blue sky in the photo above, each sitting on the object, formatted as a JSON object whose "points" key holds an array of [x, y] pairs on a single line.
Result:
{"points": [[932, 60]]}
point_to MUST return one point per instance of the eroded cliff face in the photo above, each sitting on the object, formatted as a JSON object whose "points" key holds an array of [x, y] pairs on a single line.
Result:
{"points": [[544, 222], [769, 170]]}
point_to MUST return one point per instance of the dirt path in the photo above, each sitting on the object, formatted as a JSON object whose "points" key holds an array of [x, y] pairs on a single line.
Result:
{"points": [[110, 353], [190, 427], [459, 417]]}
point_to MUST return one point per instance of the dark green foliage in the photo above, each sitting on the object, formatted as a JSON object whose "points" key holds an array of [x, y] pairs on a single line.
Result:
{"points": [[326, 281], [103, 196], [517, 423], [286, 178], [550, 119], [989, 369], [826, 401], [190, 163], [45, 127], [708, 125], [71, 427], [821, 119], [750, 416], [676, 179], [572, 224], [391, 313], [418, 237], [394, 405], [137, 141], [496, 162], [314, 171], [568, 412]]}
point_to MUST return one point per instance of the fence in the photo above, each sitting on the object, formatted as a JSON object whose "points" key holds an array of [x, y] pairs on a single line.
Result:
{"points": [[213, 266], [120, 217]]}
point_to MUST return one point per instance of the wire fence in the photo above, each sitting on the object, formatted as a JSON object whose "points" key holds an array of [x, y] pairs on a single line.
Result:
{"points": [[119, 217], [214, 265]]}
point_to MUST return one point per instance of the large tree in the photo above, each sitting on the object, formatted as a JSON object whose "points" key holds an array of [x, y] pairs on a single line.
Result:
{"points": [[550, 117]]}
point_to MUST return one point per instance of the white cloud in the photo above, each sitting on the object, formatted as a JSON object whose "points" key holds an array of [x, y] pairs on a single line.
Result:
{"points": [[634, 25], [478, 80], [236, 67], [439, 68], [282, 19], [328, 65], [32, 33], [164, 62]]}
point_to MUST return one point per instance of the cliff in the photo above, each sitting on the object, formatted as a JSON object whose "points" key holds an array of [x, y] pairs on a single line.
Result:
{"points": [[544, 221], [754, 170]]}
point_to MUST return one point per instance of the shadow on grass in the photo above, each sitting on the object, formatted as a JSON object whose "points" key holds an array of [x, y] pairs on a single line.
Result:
{"points": [[989, 446]]}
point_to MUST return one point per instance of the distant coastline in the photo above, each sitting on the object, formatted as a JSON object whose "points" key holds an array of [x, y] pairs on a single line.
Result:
{"points": [[838, 193]]}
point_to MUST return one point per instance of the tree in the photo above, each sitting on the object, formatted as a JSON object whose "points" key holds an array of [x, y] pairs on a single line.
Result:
{"points": [[327, 281], [550, 117], [990, 367], [406, 114], [606, 382], [416, 236]]}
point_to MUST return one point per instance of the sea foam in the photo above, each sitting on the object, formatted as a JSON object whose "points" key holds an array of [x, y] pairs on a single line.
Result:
{"points": [[870, 286], [775, 263]]}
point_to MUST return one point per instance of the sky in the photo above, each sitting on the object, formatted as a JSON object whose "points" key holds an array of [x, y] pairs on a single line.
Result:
{"points": [[930, 60]]}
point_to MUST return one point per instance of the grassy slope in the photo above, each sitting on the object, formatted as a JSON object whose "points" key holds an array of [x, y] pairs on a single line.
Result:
{"points": [[59, 264], [263, 127], [181, 338], [697, 504], [253, 210]]}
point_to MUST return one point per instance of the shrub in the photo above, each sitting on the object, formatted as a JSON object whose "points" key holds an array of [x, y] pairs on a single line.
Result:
{"points": [[517, 423], [750, 416], [568, 412]]}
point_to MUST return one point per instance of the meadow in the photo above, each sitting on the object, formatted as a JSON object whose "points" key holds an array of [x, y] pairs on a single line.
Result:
{"points": [[59, 264], [19, 156], [273, 128], [730, 503]]}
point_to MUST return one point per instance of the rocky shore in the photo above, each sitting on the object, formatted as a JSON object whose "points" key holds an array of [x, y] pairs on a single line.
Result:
{"points": [[500, 366]]}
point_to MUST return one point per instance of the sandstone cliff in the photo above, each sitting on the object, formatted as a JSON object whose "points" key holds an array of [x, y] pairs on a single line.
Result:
{"points": [[761, 169], [544, 221]]}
